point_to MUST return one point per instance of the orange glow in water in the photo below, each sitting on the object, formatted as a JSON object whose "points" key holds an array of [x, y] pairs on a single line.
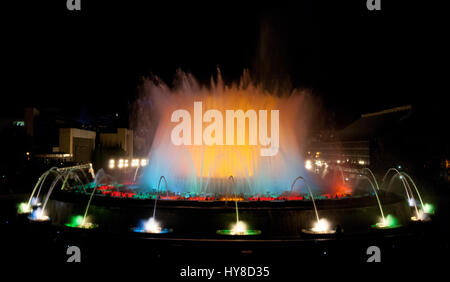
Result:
{"points": [[201, 167]]}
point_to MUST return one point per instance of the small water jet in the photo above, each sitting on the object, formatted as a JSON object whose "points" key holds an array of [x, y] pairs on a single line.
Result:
{"points": [[38, 215], [33, 201], [152, 225], [383, 223], [421, 214], [240, 227], [321, 226], [387, 222], [373, 177], [79, 221], [26, 208], [82, 222]]}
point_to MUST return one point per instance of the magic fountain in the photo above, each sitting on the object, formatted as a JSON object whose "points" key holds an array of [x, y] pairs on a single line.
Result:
{"points": [[204, 167]]}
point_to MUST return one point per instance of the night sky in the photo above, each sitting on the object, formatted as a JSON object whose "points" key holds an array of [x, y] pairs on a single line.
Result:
{"points": [[92, 61]]}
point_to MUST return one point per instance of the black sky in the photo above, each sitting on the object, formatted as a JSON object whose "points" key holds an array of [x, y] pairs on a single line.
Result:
{"points": [[91, 61]]}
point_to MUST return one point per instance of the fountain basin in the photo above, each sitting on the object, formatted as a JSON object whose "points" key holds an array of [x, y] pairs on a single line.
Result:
{"points": [[204, 218]]}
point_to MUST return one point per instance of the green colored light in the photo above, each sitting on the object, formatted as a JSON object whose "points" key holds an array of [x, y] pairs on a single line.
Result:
{"points": [[389, 222], [428, 208], [246, 232], [76, 221], [23, 208]]}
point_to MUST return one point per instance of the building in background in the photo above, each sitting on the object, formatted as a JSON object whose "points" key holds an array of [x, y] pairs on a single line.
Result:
{"points": [[78, 144], [122, 139], [365, 142]]}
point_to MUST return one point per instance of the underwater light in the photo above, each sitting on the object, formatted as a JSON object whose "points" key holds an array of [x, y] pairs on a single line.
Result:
{"points": [[386, 223], [322, 226], [38, 215], [428, 208], [420, 216], [23, 208], [151, 226], [239, 228], [78, 222]]}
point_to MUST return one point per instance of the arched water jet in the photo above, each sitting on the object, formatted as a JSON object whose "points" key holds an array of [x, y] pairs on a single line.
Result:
{"points": [[415, 188], [410, 195], [151, 225], [322, 225], [157, 193], [85, 224], [383, 223], [373, 176], [240, 228], [25, 208], [39, 214], [310, 193], [44, 175], [58, 178], [68, 173], [81, 221], [426, 208]]}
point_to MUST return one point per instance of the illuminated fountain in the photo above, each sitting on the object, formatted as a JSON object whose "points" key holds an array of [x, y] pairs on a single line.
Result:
{"points": [[26, 208], [204, 166], [385, 222], [187, 131], [39, 214], [151, 225], [321, 226], [78, 221], [33, 201], [421, 214], [240, 227]]}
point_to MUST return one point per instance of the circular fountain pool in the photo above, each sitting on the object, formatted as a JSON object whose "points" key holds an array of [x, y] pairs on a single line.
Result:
{"points": [[281, 216]]}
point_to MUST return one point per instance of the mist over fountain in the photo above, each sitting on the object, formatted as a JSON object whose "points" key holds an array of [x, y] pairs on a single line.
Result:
{"points": [[230, 157], [206, 168]]}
